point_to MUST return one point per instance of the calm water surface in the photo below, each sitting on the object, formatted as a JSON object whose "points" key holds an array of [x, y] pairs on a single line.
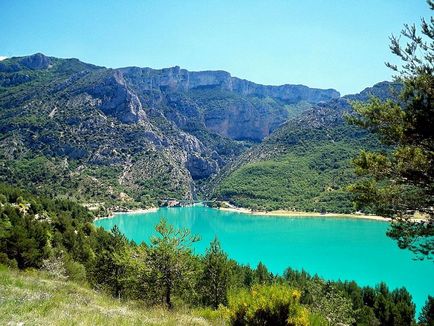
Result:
{"points": [[333, 248]]}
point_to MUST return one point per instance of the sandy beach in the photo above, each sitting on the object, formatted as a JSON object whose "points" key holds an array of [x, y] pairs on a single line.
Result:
{"points": [[131, 211], [284, 213]]}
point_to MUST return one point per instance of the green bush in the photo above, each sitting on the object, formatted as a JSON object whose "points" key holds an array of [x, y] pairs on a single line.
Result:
{"points": [[4, 260], [268, 305], [75, 271]]}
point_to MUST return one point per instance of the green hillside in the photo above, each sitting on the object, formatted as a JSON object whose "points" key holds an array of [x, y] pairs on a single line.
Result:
{"points": [[305, 165], [314, 181], [34, 298]]}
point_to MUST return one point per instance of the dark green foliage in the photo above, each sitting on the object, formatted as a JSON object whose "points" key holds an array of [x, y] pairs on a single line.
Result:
{"points": [[107, 271], [170, 261], [262, 275], [33, 226], [215, 279], [400, 182], [370, 306], [426, 317], [310, 175], [393, 308]]}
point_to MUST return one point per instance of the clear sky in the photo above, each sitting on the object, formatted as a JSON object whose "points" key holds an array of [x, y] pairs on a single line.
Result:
{"points": [[340, 44]]}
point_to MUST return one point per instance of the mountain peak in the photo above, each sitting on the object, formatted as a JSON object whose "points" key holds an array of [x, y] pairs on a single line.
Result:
{"points": [[36, 61]]}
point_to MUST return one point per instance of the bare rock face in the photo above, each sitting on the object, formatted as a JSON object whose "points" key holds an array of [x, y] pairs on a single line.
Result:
{"points": [[118, 100], [181, 80], [199, 167], [241, 120], [233, 107], [36, 61]]}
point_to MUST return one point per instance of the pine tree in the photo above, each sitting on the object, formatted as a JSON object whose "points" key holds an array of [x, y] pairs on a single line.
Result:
{"points": [[107, 270], [426, 317], [214, 283], [262, 275], [399, 182], [170, 260]]}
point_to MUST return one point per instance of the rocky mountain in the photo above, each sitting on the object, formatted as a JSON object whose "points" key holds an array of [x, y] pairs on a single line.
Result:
{"points": [[131, 134]]}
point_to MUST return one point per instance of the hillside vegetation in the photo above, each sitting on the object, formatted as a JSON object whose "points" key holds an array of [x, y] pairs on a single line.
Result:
{"points": [[305, 165], [131, 137], [58, 238], [35, 298]]}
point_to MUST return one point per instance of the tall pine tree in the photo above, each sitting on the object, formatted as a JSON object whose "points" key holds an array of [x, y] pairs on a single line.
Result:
{"points": [[399, 182], [214, 283]]}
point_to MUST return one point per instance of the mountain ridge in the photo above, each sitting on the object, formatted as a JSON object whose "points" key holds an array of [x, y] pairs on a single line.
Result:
{"points": [[197, 78], [133, 135]]}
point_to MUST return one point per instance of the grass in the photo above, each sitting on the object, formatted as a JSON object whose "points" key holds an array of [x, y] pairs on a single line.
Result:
{"points": [[32, 298]]}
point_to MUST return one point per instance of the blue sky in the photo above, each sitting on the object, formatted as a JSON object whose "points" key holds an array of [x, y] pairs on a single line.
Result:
{"points": [[340, 44]]}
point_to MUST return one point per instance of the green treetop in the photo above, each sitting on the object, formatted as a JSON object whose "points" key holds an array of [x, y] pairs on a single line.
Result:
{"points": [[399, 181], [170, 260]]}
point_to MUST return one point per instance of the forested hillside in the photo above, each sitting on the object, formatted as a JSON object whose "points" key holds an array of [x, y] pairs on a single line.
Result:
{"points": [[134, 136], [306, 164]]}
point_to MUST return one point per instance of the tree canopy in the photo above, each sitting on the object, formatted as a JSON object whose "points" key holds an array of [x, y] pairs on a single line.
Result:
{"points": [[398, 181]]}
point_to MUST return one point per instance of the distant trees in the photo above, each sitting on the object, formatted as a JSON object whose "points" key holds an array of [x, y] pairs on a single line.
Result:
{"points": [[400, 181], [347, 303], [262, 275]]}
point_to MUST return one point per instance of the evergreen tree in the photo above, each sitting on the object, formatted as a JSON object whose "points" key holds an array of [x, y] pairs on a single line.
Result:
{"points": [[262, 275], [170, 260], [215, 277], [108, 271], [400, 181], [426, 317]]}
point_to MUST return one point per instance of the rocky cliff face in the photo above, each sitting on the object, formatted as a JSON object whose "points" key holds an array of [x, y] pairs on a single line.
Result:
{"points": [[116, 99], [132, 129], [234, 108], [177, 79], [36, 61]]}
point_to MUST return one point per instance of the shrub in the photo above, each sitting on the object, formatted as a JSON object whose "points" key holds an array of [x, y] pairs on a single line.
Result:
{"points": [[4, 260], [268, 304], [75, 271], [55, 266]]}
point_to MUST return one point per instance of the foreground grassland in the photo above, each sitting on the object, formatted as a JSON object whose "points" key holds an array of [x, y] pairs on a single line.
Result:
{"points": [[32, 298]]}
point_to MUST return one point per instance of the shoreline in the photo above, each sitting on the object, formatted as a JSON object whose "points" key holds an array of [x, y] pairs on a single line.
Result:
{"points": [[284, 213], [130, 211], [276, 213]]}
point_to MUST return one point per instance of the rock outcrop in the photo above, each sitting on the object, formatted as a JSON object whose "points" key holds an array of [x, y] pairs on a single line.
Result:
{"points": [[181, 80], [117, 100], [36, 61]]}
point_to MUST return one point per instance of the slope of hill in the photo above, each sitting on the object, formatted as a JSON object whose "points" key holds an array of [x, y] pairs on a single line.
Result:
{"points": [[31, 297], [304, 165], [130, 135]]}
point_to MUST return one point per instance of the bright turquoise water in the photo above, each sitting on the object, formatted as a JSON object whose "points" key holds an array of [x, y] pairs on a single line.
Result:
{"points": [[346, 249]]}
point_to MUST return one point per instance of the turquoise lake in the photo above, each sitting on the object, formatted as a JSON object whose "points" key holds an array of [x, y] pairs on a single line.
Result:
{"points": [[333, 248]]}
